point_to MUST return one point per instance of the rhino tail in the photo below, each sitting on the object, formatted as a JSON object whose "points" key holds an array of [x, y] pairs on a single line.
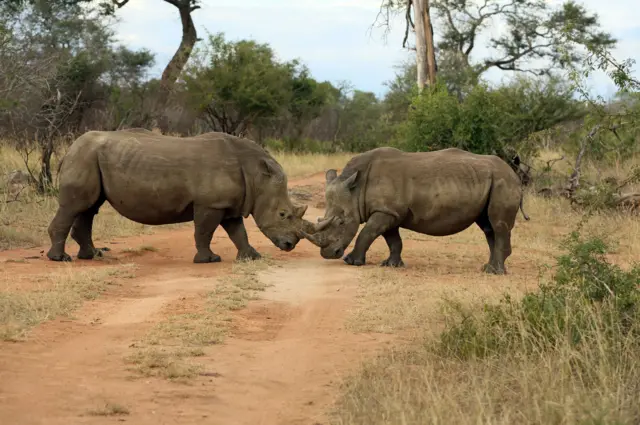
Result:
{"points": [[524, 214]]}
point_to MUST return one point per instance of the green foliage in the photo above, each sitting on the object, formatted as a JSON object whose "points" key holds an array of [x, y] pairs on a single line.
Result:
{"points": [[488, 121], [588, 298], [363, 124], [69, 62], [237, 84], [433, 119]]}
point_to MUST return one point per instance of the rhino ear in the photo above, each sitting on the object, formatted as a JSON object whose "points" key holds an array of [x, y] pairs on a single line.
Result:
{"points": [[267, 168], [351, 183], [299, 211], [331, 175]]}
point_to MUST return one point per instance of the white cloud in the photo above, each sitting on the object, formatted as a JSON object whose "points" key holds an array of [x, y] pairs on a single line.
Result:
{"points": [[333, 37]]}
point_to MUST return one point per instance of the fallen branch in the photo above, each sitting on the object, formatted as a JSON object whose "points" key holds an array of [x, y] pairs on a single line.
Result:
{"points": [[574, 179]]}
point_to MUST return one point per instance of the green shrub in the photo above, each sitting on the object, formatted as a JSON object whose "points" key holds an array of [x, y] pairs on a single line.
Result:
{"points": [[433, 118], [588, 300], [498, 121]]}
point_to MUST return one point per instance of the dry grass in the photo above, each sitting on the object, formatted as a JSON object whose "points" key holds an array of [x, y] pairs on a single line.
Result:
{"points": [[140, 250], [303, 165], [166, 349], [167, 363], [420, 384], [414, 386], [56, 294], [110, 409]]}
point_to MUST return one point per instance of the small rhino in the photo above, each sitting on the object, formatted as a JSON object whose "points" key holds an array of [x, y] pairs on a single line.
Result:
{"points": [[437, 193]]}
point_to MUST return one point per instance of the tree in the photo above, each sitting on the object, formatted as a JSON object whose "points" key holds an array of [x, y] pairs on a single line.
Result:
{"points": [[180, 58], [308, 98], [533, 31], [421, 25], [234, 84], [58, 63], [175, 66], [531, 42]]}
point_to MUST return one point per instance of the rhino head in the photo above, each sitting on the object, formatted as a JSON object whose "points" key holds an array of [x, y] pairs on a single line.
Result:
{"points": [[274, 213], [334, 232]]}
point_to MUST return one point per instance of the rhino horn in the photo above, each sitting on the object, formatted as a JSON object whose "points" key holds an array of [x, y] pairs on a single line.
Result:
{"points": [[321, 225], [317, 241]]}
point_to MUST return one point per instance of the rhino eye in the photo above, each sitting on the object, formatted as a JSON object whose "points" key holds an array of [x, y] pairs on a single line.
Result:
{"points": [[283, 214]]}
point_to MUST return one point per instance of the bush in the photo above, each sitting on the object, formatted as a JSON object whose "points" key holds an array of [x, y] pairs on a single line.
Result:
{"points": [[487, 121], [589, 300]]}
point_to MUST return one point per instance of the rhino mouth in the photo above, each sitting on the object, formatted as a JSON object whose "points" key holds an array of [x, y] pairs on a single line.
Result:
{"points": [[329, 253], [286, 245]]}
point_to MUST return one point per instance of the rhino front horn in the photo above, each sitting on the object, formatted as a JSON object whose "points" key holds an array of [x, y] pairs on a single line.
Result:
{"points": [[312, 238]]}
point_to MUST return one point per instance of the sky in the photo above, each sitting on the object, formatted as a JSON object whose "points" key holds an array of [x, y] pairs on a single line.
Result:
{"points": [[337, 39]]}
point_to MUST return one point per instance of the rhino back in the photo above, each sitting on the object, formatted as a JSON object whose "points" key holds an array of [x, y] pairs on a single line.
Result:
{"points": [[436, 193], [155, 179]]}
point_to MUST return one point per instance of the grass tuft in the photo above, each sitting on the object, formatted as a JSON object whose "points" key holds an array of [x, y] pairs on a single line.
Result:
{"points": [[172, 364], [110, 409], [60, 293]]}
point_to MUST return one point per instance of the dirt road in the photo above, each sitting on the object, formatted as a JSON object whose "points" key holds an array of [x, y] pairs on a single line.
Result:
{"points": [[280, 364]]}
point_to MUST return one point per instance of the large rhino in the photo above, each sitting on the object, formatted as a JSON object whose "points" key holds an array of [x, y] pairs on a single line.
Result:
{"points": [[212, 179], [436, 193]]}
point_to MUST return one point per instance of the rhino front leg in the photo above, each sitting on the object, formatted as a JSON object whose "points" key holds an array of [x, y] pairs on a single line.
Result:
{"points": [[238, 235], [394, 241], [378, 224], [206, 220]]}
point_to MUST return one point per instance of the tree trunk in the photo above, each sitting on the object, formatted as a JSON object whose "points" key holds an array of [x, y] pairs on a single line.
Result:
{"points": [[176, 64], [421, 45], [45, 179], [430, 48]]}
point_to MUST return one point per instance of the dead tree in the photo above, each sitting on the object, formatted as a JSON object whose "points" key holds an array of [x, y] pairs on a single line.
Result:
{"points": [[177, 63]]}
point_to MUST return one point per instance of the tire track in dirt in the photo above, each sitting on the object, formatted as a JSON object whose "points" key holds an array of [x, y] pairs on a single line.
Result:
{"points": [[280, 364]]}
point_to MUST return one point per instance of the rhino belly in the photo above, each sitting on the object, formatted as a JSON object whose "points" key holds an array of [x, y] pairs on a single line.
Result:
{"points": [[151, 208], [442, 220]]}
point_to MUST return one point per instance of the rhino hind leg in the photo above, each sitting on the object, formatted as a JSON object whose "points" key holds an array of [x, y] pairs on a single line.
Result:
{"points": [[58, 232], [502, 249], [206, 220], [394, 241], [489, 234], [378, 224], [82, 230], [497, 224], [238, 235]]}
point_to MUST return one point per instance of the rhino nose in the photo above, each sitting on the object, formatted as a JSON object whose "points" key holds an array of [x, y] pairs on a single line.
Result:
{"points": [[338, 252], [288, 246]]}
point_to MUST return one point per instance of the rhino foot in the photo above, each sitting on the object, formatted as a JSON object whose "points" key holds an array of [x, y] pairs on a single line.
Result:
{"points": [[59, 257], [249, 254], [90, 254], [488, 268], [352, 260], [206, 258], [392, 262]]}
